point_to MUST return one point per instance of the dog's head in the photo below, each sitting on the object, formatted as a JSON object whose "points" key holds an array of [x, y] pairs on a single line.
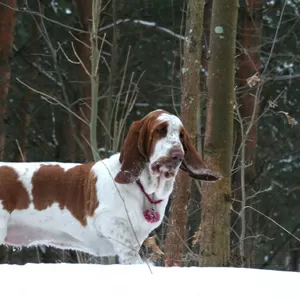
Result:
{"points": [[160, 141]]}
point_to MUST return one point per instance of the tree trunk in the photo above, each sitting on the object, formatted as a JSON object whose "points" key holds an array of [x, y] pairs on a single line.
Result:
{"points": [[107, 104], [177, 231], [68, 150], [84, 52], [206, 33], [216, 198], [7, 28], [249, 66], [28, 94], [25, 120]]}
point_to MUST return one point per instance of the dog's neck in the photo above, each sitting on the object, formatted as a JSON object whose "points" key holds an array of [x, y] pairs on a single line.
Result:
{"points": [[159, 186]]}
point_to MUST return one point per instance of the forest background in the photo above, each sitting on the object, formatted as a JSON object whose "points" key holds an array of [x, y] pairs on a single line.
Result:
{"points": [[75, 74]]}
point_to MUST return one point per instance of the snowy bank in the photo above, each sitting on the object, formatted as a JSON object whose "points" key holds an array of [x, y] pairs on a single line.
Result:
{"points": [[80, 281]]}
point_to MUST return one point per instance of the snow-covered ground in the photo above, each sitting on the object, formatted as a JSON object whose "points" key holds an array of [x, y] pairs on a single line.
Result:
{"points": [[84, 282]]}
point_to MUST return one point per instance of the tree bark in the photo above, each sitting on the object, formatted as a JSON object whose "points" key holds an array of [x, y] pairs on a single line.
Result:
{"points": [[7, 28], [25, 120], [206, 33], [177, 231], [216, 198], [82, 46], [28, 94], [249, 66]]}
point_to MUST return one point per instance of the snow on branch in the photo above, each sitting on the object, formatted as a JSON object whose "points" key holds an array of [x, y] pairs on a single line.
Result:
{"points": [[144, 23]]}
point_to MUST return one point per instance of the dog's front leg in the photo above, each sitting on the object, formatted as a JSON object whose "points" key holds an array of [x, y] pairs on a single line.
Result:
{"points": [[122, 237]]}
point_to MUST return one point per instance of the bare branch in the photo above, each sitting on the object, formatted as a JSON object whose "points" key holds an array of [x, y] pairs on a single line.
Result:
{"points": [[39, 68], [20, 150], [25, 10], [66, 56], [144, 23], [283, 77], [46, 97], [273, 221], [80, 61], [275, 37]]}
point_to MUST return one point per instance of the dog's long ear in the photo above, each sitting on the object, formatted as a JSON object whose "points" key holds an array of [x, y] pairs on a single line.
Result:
{"points": [[193, 164], [133, 156]]}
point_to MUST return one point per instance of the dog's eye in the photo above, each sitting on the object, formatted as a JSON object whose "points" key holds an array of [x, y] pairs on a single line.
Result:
{"points": [[181, 135], [162, 131]]}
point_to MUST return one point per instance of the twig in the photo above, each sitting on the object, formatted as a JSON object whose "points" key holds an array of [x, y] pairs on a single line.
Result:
{"points": [[275, 37], [80, 61], [25, 10], [273, 221], [243, 191], [79, 40], [20, 151], [66, 56], [44, 32], [46, 97], [94, 76]]}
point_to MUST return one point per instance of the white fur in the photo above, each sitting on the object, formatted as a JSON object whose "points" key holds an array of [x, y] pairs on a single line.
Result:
{"points": [[118, 226], [172, 139]]}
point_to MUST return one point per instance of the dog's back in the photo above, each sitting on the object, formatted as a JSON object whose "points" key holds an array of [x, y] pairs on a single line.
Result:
{"points": [[47, 203]]}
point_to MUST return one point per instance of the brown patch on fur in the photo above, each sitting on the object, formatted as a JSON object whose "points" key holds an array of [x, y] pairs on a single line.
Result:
{"points": [[74, 189], [139, 145], [156, 131], [91, 195], [13, 194]]}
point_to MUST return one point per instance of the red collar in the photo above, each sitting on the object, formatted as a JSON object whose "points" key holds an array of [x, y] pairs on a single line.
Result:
{"points": [[151, 215], [147, 195]]}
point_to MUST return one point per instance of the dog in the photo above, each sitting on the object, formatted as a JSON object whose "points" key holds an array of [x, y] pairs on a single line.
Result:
{"points": [[104, 208]]}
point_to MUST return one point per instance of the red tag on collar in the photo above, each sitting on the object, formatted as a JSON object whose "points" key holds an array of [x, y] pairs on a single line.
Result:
{"points": [[151, 215]]}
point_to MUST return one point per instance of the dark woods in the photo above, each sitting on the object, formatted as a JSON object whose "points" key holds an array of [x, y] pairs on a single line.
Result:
{"points": [[51, 74]]}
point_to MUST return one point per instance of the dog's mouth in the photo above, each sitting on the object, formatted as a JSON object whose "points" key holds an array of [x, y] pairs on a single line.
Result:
{"points": [[167, 170]]}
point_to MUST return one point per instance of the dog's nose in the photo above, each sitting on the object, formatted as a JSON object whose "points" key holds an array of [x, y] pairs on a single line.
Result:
{"points": [[177, 155]]}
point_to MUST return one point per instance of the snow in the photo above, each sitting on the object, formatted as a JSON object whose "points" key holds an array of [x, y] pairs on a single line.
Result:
{"points": [[86, 281]]}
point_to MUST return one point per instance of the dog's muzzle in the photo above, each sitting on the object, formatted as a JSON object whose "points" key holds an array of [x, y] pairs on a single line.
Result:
{"points": [[168, 165]]}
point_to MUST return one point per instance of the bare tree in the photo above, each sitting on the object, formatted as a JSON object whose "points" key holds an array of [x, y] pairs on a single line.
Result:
{"points": [[88, 53], [83, 49], [7, 25], [247, 111], [216, 198], [177, 224]]}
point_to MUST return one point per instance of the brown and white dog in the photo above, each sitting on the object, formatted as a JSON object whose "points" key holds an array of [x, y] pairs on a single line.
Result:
{"points": [[103, 208]]}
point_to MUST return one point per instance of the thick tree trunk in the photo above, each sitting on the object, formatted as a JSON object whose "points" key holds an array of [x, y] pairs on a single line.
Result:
{"points": [[7, 28], [216, 198], [177, 231]]}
